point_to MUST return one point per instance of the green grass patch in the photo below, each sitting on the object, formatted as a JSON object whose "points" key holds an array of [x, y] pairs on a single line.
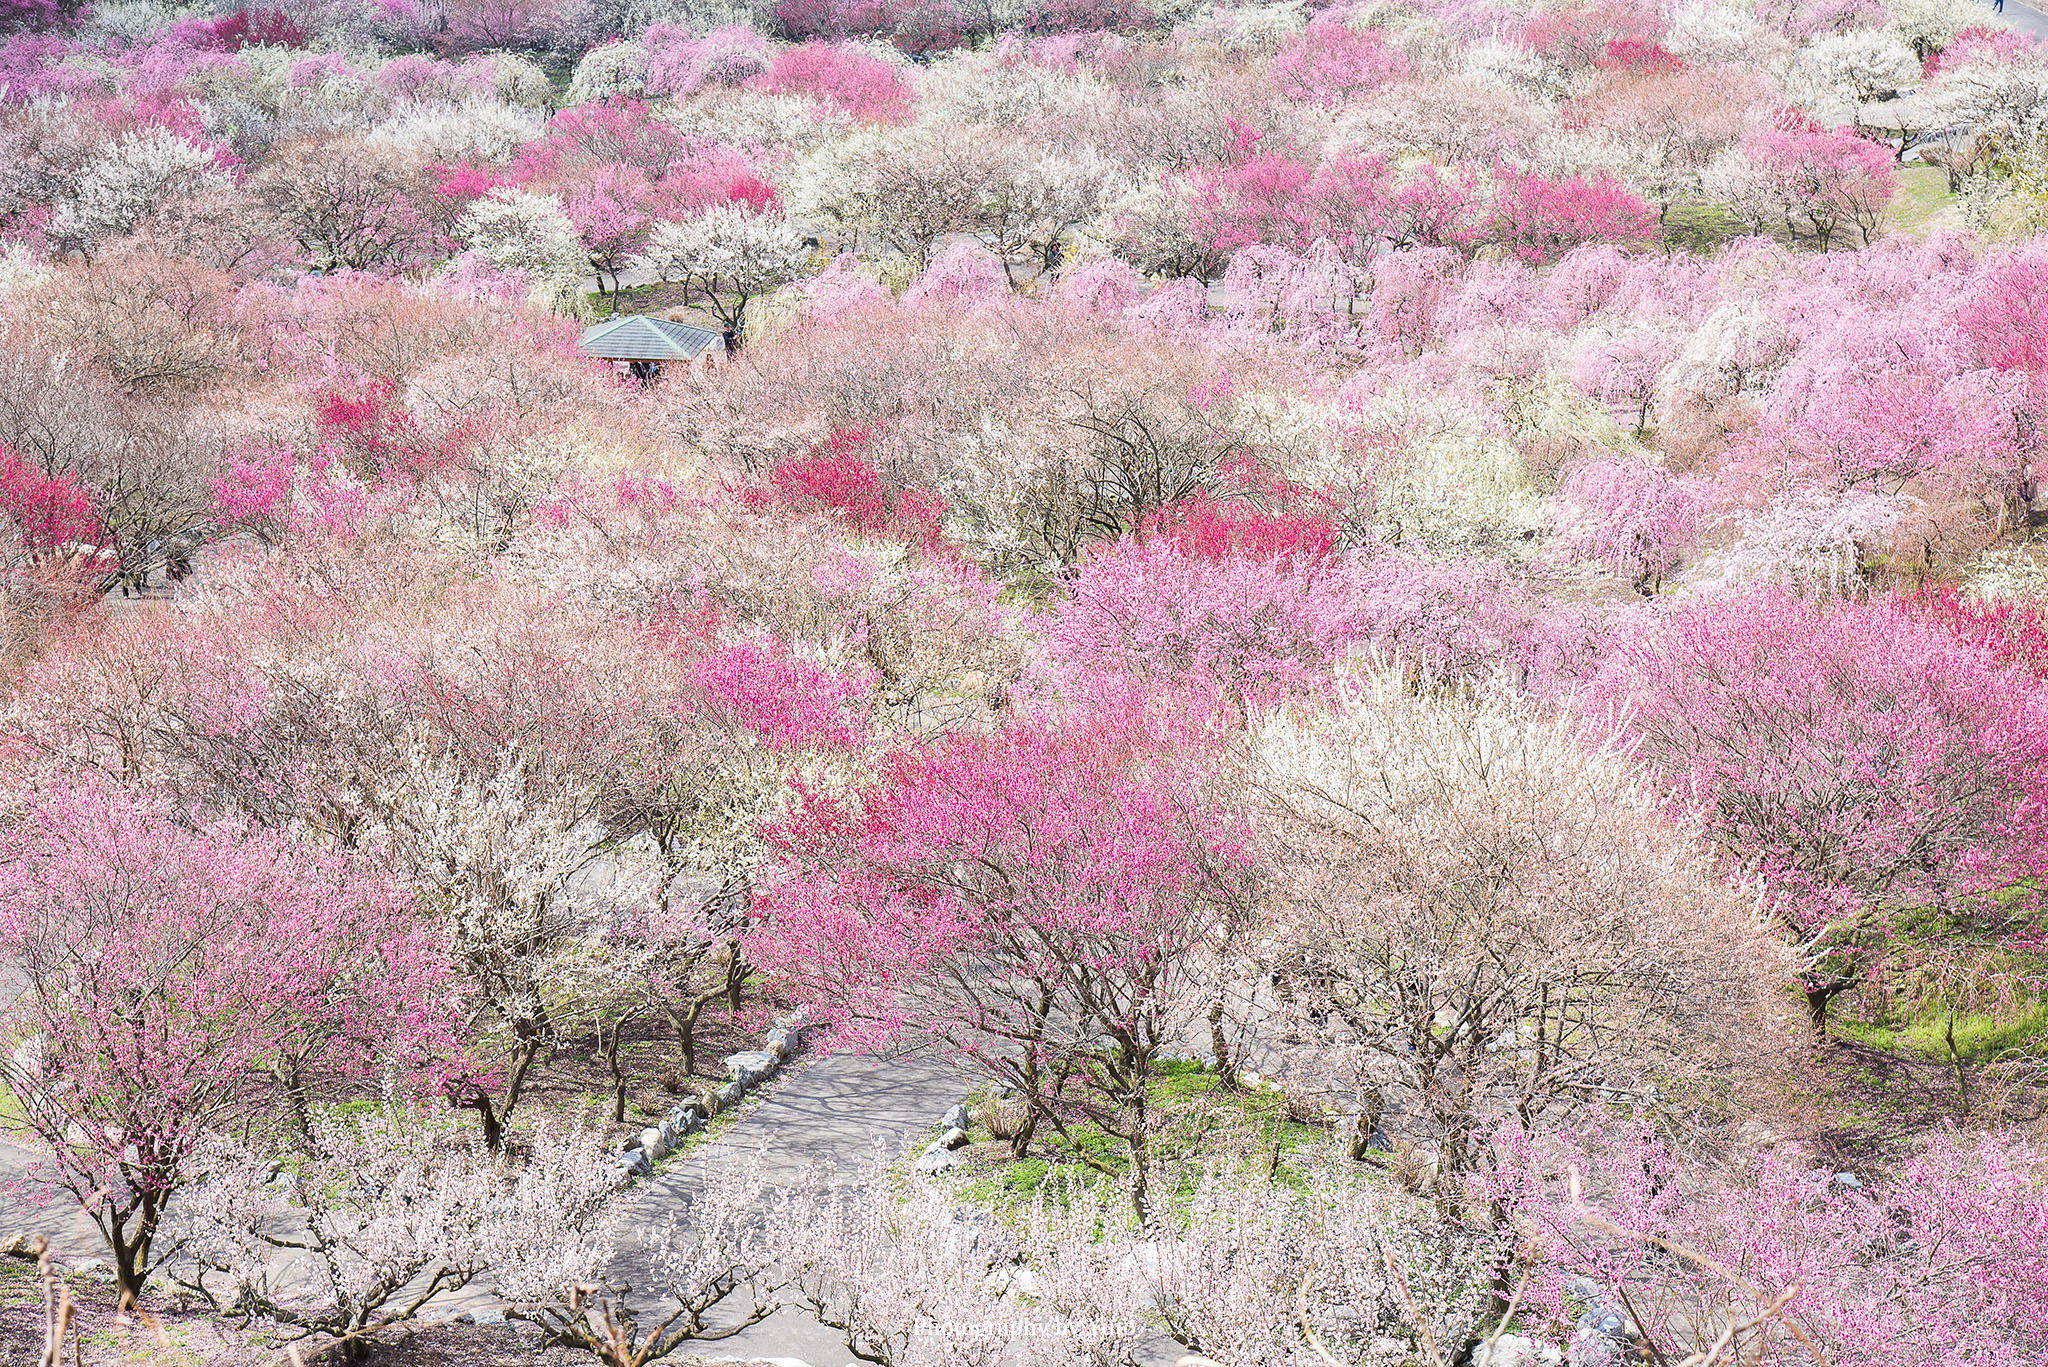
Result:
{"points": [[1923, 193], [1699, 228], [1200, 1119], [1980, 1036]]}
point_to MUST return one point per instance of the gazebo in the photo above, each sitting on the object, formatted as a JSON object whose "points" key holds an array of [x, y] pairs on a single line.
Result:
{"points": [[643, 343]]}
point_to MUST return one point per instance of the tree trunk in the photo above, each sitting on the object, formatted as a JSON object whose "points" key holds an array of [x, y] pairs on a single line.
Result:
{"points": [[1817, 999], [735, 979], [1216, 1043], [1020, 1142], [129, 1235], [608, 1048], [1955, 1058]]}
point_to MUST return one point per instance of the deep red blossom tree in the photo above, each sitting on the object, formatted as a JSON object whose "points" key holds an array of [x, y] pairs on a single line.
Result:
{"points": [[836, 476], [52, 527], [181, 980], [1212, 529], [2011, 632]]}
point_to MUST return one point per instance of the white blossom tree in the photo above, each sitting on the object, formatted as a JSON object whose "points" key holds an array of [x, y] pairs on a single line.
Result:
{"points": [[730, 254], [1929, 24], [1245, 1269], [1485, 914], [129, 178], [1858, 67], [696, 1258], [518, 230], [384, 1212]]}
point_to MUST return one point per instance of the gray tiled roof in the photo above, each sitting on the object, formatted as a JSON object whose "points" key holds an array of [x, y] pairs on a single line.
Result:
{"points": [[639, 337]]}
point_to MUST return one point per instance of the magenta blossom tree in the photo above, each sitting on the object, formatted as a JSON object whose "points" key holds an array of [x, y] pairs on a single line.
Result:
{"points": [[1540, 217], [1049, 902], [182, 980]]}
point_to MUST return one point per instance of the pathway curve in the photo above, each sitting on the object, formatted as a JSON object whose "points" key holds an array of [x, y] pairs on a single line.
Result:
{"points": [[833, 1109], [2024, 17]]}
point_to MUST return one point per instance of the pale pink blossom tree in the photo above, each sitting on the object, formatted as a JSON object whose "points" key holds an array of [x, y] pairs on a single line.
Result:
{"points": [[182, 980]]}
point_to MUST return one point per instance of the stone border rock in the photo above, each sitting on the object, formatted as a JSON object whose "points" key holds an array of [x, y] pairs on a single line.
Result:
{"points": [[744, 1071], [939, 1155]]}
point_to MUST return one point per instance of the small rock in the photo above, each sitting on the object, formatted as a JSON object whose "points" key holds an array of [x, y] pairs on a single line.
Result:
{"points": [[686, 1119], [669, 1133], [955, 1138], [750, 1067], [776, 1042], [489, 1315], [955, 1117], [1586, 1291], [1516, 1350], [637, 1162], [1848, 1181], [937, 1160], [729, 1093], [1601, 1337], [1250, 1079]]}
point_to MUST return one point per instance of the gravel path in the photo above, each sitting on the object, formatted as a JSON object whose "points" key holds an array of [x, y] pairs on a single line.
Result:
{"points": [[827, 1109]]}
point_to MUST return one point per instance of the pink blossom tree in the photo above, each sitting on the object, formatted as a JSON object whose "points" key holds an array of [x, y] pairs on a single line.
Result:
{"points": [[1161, 612], [1830, 179], [1048, 902], [1540, 217], [1631, 515], [614, 209], [1866, 762], [1330, 62], [180, 980], [1779, 1262], [1623, 371], [866, 87], [2001, 314]]}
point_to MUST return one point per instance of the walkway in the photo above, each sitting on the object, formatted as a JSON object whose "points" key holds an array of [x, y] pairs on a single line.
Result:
{"points": [[829, 1109], [2024, 17]]}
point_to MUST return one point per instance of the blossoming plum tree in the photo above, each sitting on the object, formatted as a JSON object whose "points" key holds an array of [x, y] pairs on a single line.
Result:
{"points": [[182, 980], [1865, 761], [1050, 902]]}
